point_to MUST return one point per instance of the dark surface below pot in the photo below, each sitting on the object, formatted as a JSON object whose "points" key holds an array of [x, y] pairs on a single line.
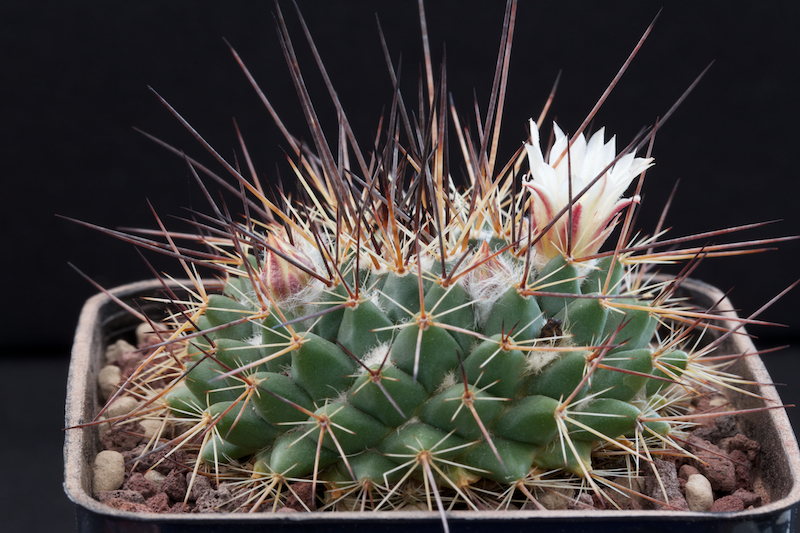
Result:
{"points": [[780, 461]]}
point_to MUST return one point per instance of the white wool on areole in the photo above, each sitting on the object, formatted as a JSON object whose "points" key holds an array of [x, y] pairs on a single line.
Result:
{"points": [[449, 380], [413, 420], [538, 360], [255, 340], [341, 397], [304, 301], [485, 292], [374, 297], [376, 356]]}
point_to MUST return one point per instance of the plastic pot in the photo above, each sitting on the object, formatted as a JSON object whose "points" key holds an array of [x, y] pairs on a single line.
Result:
{"points": [[102, 318]]}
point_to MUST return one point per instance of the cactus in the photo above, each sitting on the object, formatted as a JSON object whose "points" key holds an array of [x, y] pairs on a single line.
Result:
{"points": [[394, 338]]}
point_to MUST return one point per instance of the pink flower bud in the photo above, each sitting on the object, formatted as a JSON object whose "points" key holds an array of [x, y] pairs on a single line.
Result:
{"points": [[281, 277]]}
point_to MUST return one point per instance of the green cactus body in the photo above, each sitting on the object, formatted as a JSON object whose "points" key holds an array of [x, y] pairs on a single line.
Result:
{"points": [[362, 412]]}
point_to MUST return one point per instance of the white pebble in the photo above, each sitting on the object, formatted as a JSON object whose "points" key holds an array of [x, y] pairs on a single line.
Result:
{"points": [[109, 471], [102, 428], [718, 401], [144, 332], [699, 495], [151, 427], [108, 379], [155, 477], [121, 406], [115, 351]]}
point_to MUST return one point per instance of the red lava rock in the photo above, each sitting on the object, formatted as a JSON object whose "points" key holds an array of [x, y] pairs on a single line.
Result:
{"points": [[633, 505], [716, 429], [123, 438], [239, 501], [726, 425], [669, 478], [128, 362], [744, 469], [714, 464], [200, 486], [709, 433], [584, 502], [724, 444], [126, 494], [138, 483], [726, 504], [750, 447], [748, 498], [301, 492], [125, 505], [686, 471], [625, 501], [151, 460], [159, 503], [175, 485], [214, 501], [180, 507]]}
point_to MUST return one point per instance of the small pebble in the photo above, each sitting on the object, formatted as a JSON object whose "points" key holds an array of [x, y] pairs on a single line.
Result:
{"points": [[108, 379], [155, 477], [121, 406], [145, 336], [102, 428], [114, 351], [719, 401], [699, 494], [109, 471], [726, 424], [748, 446], [150, 427], [743, 469]]}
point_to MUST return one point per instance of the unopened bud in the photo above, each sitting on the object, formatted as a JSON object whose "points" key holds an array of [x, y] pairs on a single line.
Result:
{"points": [[280, 277]]}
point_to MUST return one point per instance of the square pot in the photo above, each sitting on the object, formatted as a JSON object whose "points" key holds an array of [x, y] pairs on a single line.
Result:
{"points": [[102, 318]]}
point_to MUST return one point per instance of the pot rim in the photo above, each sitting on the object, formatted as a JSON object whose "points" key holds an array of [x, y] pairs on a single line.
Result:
{"points": [[80, 445]]}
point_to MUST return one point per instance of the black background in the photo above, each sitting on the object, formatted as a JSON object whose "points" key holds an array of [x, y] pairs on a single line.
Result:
{"points": [[75, 79]]}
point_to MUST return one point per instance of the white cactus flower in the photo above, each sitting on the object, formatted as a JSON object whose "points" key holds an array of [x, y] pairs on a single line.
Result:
{"points": [[595, 213]]}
